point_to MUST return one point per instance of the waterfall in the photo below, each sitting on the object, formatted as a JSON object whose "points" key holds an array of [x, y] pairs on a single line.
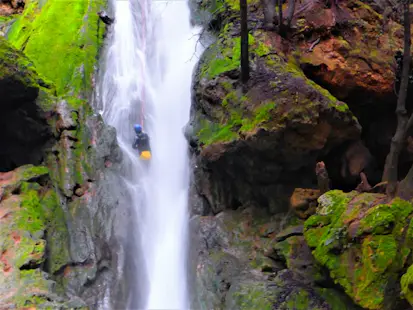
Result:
{"points": [[147, 80]]}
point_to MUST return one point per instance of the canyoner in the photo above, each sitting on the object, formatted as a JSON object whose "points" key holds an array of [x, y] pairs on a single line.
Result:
{"points": [[142, 143]]}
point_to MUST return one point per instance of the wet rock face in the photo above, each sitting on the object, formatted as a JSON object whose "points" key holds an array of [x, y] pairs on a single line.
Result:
{"points": [[244, 261], [31, 233], [69, 255]]}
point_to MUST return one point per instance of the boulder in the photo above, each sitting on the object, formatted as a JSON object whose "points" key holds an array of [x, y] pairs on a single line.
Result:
{"points": [[258, 146], [365, 242], [245, 260], [354, 58], [303, 201]]}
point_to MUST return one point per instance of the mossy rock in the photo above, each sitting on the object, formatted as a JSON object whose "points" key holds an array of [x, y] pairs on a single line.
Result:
{"points": [[279, 93], [363, 242], [279, 126], [15, 65], [407, 285], [250, 295], [63, 39], [284, 293], [20, 82], [31, 211]]}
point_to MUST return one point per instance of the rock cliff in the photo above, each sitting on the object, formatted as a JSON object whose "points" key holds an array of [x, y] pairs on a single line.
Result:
{"points": [[323, 91], [57, 210]]}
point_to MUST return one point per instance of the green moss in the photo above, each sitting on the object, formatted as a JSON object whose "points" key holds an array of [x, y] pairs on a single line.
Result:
{"points": [[407, 285], [234, 4], [382, 218], [4, 19], [58, 236], [29, 172], [33, 290], [299, 301], [363, 267], [227, 52], [261, 114], [16, 66], [378, 254], [239, 121], [62, 39], [31, 218], [254, 296]]}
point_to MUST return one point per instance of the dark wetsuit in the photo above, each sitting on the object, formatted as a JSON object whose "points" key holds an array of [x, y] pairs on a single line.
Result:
{"points": [[105, 18], [141, 142]]}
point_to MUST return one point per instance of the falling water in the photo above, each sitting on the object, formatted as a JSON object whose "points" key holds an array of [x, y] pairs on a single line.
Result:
{"points": [[149, 63]]}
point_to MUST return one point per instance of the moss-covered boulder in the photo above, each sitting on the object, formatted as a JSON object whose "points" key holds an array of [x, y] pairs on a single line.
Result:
{"points": [[258, 145], [364, 242]]}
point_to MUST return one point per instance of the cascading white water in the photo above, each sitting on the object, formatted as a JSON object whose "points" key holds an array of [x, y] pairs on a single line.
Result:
{"points": [[148, 78]]}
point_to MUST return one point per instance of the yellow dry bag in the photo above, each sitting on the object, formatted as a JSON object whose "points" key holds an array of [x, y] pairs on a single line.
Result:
{"points": [[145, 155]]}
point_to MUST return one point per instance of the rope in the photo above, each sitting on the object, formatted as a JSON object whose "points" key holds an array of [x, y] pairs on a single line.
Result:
{"points": [[142, 68]]}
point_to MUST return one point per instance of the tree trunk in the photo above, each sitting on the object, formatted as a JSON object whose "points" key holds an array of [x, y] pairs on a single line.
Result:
{"points": [[405, 188], [390, 169], [268, 6], [245, 66], [290, 12], [280, 17]]}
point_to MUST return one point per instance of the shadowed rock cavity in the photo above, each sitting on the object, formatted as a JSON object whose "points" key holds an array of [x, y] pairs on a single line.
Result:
{"points": [[24, 132], [376, 115]]}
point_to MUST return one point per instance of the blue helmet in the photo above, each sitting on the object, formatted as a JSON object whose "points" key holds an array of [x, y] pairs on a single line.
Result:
{"points": [[138, 128]]}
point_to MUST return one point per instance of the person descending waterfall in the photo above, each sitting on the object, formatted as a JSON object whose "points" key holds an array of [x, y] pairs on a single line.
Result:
{"points": [[141, 143], [104, 17]]}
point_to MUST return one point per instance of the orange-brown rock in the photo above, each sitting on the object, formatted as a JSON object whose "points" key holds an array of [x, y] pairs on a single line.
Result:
{"points": [[353, 55], [9, 7], [303, 202]]}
